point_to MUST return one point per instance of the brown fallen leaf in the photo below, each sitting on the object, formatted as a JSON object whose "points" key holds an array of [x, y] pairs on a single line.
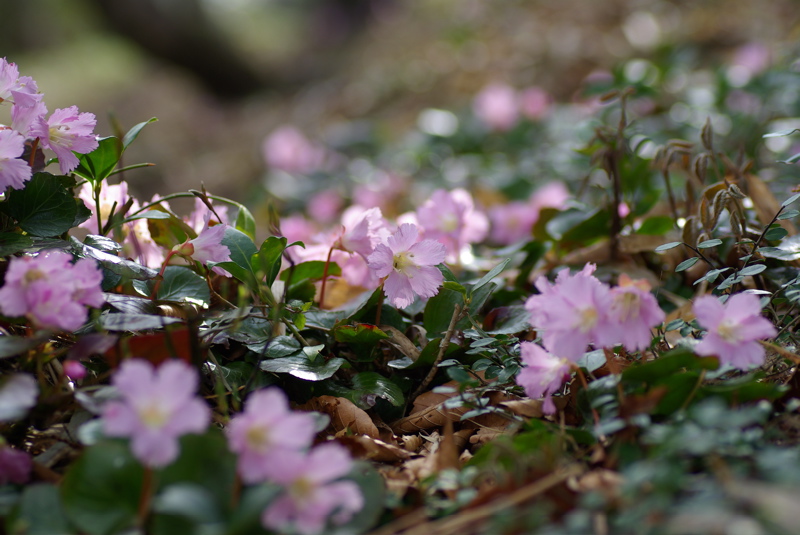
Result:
{"points": [[344, 415], [527, 408], [372, 449]]}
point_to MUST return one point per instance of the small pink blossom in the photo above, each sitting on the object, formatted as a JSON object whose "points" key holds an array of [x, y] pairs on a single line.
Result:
{"points": [[324, 206], [267, 426], [207, 246], [542, 374], [497, 106], [111, 195], [50, 290], [14, 172], [67, 131], [74, 369], [634, 312], [157, 407], [409, 266], [734, 329], [15, 465], [451, 218], [26, 111], [312, 493], [287, 149], [572, 313], [535, 103], [512, 222]]}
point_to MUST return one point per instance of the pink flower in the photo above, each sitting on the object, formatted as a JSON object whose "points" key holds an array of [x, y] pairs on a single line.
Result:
{"points": [[13, 87], [15, 465], [287, 149], [157, 407], [197, 218], [534, 103], [451, 218], [633, 313], [25, 112], [312, 494], [409, 266], [50, 290], [542, 374], [324, 206], [207, 246], [733, 329], [14, 172], [65, 132], [496, 106], [572, 313], [512, 222], [267, 426], [111, 195], [18, 394], [74, 369]]}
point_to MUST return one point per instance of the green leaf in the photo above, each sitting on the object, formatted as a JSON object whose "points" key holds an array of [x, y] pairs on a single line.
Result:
{"points": [[360, 333], [40, 513], [99, 163], [509, 320], [44, 208], [686, 264], [133, 133], [672, 362], [668, 246], [268, 258], [125, 268], [709, 243], [776, 232], [311, 270], [790, 200], [439, 310], [149, 214], [101, 490], [426, 357], [755, 269], [241, 246], [134, 322], [483, 281], [11, 243], [656, 226], [302, 368], [182, 284], [246, 223], [788, 214], [375, 383]]}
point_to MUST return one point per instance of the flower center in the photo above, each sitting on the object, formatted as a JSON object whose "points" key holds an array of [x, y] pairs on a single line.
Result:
{"points": [[31, 275], [588, 319], [727, 331], [59, 135], [403, 261], [301, 489], [449, 223], [153, 416], [628, 304], [257, 438]]}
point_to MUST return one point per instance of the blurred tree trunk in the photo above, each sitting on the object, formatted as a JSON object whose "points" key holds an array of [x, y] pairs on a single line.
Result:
{"points": [[180, 32]]}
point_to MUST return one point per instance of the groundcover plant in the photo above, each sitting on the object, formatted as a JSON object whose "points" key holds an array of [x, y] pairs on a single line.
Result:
{"points": [[609, 347]]}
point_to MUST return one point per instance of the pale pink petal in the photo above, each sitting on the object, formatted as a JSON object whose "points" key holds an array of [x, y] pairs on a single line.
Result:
{"points": [[398, 290]]}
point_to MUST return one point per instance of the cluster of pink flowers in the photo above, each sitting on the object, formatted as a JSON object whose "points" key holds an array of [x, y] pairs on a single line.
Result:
{"points": [[513, 222], [542, 374], [50, 290], [499, 106], [65, 132], [156, 407], [273, 443], [579, 310]]}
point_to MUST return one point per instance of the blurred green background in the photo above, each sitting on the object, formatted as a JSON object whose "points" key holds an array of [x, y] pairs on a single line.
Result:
{"points": [[222, 74]]}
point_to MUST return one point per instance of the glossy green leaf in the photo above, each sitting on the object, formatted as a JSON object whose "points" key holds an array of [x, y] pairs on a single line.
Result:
{"points": [[686, 264], [98, 164], [359, 333], [11, 243], [375, 383], [135, 322], [134, 132], [673, 362], [668, 246], [312, 270], [269, 257], [302, 368], [183, 284], [44, 208], [245, 222], [494, 272]]}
